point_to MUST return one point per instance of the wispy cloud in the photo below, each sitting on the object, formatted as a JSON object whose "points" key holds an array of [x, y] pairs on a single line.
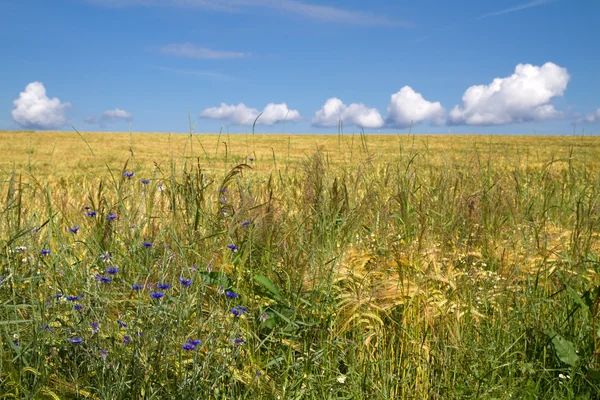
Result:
{"points": [[189, 50], [524, 6], [316, 12]]}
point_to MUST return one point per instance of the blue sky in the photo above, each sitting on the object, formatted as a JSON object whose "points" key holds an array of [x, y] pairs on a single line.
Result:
{"points": [[502, 66]]}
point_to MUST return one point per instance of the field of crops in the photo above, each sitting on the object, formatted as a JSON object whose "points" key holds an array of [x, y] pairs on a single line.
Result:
{"points": [[299, 267]]}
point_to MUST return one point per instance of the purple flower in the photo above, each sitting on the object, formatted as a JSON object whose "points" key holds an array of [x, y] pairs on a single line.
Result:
{"points": [[239, 341], [95, 327], [78, 307], [129, 174], [145, 181], [87, 208], [136, 287], [209, 267], [185, 282], [224, 199], [44, 252], [188, 347], [58, 296], [74, 298], [126, 340], [263, 316], [245, 224], [121, 324], [91, 213], [231, 295], [232, 247], [112, 270], [239, 311], [103, 279], [251, 159], [46, 328], [111, 217], [74, 229], [76, 340], [157, 295], [146, 244], [224, 190], [103, 354], [195, 342], [163, 286]]}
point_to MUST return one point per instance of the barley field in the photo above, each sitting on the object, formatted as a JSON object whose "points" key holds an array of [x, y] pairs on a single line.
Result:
{"points": [[250, 266]]}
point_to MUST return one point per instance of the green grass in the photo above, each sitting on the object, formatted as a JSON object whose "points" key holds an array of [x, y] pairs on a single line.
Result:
{"points": [[372, 267]]}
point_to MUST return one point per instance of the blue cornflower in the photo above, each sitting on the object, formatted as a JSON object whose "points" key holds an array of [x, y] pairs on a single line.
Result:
{"points": [[46, 328], [121, 324], [239, 341], [232, 247], [78, 307], [95, 327], [188, 347], [163, 286], [246, 223], [112, 270], [74, 229], [126, 339], [58, 296], [194, 342], [145, 181], [146, 244], [74, 298], [136, 287], [111, 217], [185, 282], [76, 340], [91, 213], [87, 208], [44, 252], [157, 295], [231, 295], [103, 279], [239, 311], [129, 174]]}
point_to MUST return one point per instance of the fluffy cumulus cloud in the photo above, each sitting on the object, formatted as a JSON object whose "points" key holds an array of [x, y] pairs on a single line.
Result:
{"points": [[524, 96], [241, 114], [34, 109], [408, 106], [335, 110]]}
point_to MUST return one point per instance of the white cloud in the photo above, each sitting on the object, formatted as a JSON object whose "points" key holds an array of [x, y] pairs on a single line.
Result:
{"points": [[33, 109], [109, 116], [590, 118], [408, 106], [335, 110], [316, 12], [116, 114], [524, 96], [188, 50], [240, 114]]}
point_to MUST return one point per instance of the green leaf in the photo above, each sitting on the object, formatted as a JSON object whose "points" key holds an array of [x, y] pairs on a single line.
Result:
{"points": [[217, 278], [594, 374], [564, 350], [268, 284], [578, 300]]}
